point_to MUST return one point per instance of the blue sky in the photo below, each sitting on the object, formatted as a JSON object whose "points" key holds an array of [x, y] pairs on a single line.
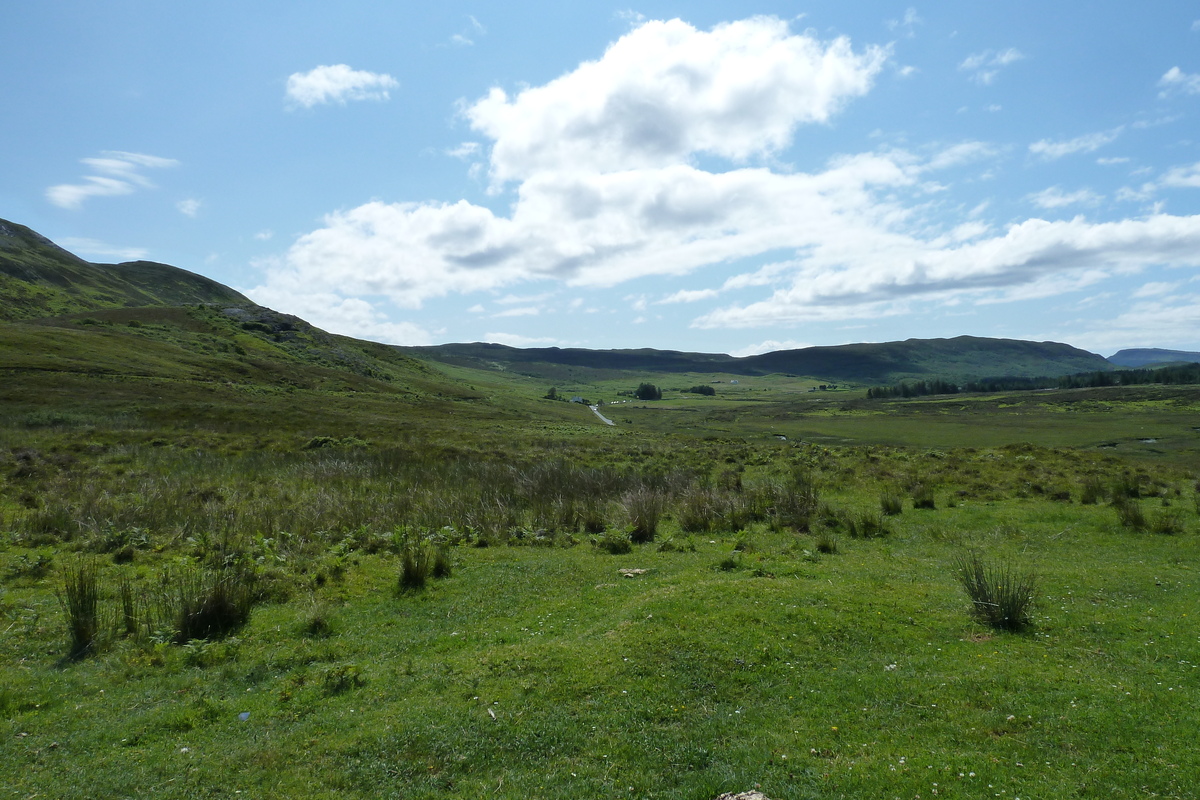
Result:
{"points": [[709, 176]]}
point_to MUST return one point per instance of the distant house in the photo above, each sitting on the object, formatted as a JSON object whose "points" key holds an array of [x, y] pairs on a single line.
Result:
{"points": [[576, 399], [733, 382]]}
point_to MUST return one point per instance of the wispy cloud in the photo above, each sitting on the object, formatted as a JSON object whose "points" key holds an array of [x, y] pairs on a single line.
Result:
{"points": [[98, 249], [470, 34], [983, 67], [115, 173], [769, 346], [1176, 80], [1081, 144], [189, 207], [337, 83], [517, 340], [688, 296], [1054, 197], [905, 26]]}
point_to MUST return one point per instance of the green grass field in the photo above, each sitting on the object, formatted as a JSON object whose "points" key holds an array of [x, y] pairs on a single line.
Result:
{"points": [[797, 624]]}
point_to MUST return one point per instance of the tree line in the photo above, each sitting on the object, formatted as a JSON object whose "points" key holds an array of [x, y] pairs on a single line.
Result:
{"points": [[1180, 375]]}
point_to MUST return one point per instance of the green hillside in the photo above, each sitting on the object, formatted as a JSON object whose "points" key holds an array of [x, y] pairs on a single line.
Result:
{"points": [[40, 279]]}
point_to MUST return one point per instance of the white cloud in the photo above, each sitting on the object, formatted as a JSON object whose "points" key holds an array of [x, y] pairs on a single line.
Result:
{"points": [[1055, 198], [468, 36], [189, 207], [1182, 177], [119, 173], [1107, 162], [1156, 288], [349, 316], [337, 84], [688, 296], [264, 235], [769, 346], [1033, 258], [666, 91], [1171, 323], [97, 249], [608, 190], [985, 66], [1081, 144], [464, 151], [1176, 79], [907, 24], [522, 311], [517, 340]]}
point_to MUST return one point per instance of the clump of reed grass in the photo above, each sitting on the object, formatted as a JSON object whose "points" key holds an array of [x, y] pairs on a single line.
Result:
{"points": [[643, 509], [205, 604], [79, 596], [1000, 596], [614, 542], [891, 502]]}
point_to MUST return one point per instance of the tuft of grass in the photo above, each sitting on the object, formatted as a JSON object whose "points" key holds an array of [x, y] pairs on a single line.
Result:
{"points": [[202, 604], [644, 509], [79, 596], [1092, 490], [826, 542], [1130, 513], [891, 502], [922, 496], [1000, 596], [416, 560]]}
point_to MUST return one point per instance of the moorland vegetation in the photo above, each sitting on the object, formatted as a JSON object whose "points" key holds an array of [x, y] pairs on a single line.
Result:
{"points": [[241, 555]]}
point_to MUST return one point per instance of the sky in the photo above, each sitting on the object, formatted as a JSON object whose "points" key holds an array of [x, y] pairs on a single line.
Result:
{"points": [[731, 177]]}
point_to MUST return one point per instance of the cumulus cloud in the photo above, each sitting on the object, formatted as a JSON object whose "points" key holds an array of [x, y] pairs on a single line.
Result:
{"points": [[189, 207], [337, 83], [667, 91], [350, 316], [1081, 144], [1176, 79], [985, 66], [114, 173], [604, 169]]}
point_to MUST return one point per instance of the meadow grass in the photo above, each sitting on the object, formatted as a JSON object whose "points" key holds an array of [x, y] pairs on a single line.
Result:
{"points": [[767, 634]]}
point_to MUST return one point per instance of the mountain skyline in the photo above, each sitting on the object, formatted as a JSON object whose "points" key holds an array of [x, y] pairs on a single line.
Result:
{"points": [[695, 177]]}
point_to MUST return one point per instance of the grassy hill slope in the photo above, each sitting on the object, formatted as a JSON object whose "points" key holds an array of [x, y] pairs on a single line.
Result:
{"points": [[39, 279]]}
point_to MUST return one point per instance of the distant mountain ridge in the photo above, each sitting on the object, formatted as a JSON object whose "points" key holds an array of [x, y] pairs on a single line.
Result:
{"points": [[960, 358], [1141, 356]]}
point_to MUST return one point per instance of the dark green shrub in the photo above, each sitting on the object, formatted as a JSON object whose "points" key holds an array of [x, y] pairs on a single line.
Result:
{"points": [[1000, 596], [1168, 522], [614, 542], [729, 564], [79, 596]]}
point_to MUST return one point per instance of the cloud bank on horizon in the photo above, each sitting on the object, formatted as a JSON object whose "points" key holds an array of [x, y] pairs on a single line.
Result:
{"points": [[734, 185]]}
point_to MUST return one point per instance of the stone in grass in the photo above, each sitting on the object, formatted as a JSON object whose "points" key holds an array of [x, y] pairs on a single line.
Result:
{"points": [[631, 573], [743, 796]]}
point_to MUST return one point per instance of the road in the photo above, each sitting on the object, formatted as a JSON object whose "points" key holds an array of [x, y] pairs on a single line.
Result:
{"points": [[596, 411]]}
